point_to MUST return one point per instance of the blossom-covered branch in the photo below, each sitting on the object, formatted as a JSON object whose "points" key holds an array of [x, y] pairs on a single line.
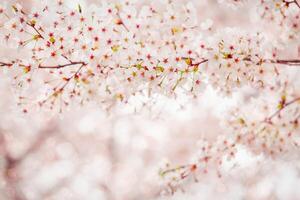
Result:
{"points": [[61, 66]]}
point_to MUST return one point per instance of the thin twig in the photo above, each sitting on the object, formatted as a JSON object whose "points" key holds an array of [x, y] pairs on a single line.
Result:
{"points": [[297, 3], [292, 62], [163, 173], [2, 64], [36, 30], [201, 62], [122, 22], [284, 106], [62, 66], [60, 90]]}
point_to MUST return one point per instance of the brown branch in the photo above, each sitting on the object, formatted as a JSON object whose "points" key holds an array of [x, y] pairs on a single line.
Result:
{"points": [[122, 22], [291, 2], [35, 29], [60, 90], [201, 62], [61, 66], [282, 107], [292, 62], [9, 64], [297, 3], [75, 74], [192, 60], [65, 57], [2, 64]]}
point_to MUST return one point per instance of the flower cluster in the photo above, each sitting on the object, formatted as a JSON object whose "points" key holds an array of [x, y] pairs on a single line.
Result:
{"points": [[112, 51], [284, 14], [276, 134], [209, 161], [238, 59]]}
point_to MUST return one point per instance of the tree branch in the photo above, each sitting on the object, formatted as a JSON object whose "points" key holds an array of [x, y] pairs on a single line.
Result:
{"points": [[201, 62], [292, 62], [287, 3], [283, 106], [122, 22], [61, 66], [35, 29], [297, 3], [2, 64]]}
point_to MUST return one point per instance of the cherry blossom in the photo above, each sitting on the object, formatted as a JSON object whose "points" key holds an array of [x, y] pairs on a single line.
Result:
{"points": [[148, 99]]}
